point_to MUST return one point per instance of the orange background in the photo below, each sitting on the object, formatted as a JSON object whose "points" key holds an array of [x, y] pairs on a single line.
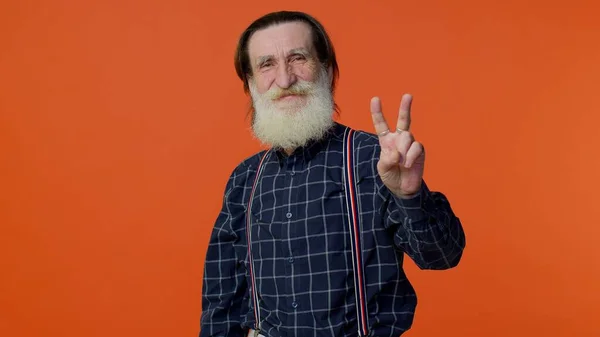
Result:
{"points": [[120, 122]]}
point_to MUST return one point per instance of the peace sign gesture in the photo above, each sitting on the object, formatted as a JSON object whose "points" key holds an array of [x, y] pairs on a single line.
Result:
{"points": [[402, 159]]}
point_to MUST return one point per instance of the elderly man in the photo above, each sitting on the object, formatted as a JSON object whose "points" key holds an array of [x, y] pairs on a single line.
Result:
{"points": [[312, 233]]}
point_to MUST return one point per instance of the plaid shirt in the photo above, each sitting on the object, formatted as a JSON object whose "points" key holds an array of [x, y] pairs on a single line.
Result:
{"points": [[301, 250]]}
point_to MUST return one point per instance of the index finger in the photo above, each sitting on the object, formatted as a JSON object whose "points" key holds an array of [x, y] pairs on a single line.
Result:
{"points": [[379, 122], [404, 113]]}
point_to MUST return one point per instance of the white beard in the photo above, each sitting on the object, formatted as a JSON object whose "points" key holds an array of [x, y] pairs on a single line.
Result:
{"points": [[293, 126]]}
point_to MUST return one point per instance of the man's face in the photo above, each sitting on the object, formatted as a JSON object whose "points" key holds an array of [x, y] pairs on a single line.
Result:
{"points": [[290, 89]]}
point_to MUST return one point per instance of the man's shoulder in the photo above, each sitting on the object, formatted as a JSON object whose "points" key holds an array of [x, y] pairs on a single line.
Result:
{"points": [[365, 140], [366, 147], [249, 163], [240, 175], [360, 135]]}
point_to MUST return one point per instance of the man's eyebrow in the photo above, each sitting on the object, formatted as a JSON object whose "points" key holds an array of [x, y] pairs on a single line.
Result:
{"points": [[301, 51], [262, 59]]}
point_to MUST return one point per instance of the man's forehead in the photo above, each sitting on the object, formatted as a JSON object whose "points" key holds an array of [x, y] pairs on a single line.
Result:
{"points": [[280, 38]]}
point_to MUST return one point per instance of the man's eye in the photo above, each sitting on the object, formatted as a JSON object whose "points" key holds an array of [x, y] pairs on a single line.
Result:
{"points": [[266, 65], [298, 58]]}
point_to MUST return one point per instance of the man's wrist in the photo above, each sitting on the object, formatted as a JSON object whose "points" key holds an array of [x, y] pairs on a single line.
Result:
{"points": [[412, 205], [408, 196]]}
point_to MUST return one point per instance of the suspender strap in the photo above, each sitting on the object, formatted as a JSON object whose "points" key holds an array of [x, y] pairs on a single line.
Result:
{"points": [[254, 292], [354, 230]]}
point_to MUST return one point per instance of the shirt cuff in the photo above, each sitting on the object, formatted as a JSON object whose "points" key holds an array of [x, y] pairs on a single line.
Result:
{"points": [[414, 208]]}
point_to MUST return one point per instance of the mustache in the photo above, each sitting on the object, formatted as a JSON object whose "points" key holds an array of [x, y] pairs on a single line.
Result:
{"points": [[300, 88]]}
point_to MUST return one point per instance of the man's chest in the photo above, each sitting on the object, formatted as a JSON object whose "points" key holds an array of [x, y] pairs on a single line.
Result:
{"points": [[291, 195], [298, 207]]}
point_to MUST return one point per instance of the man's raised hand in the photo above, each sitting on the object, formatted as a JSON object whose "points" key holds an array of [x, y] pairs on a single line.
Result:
{"points": [[402, 158]]}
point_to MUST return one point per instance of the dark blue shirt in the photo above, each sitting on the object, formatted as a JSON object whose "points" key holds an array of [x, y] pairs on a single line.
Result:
{"points": [[301, 247]]}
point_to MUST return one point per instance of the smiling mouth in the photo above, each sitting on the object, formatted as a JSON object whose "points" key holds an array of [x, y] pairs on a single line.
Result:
{"points": [[288, 96]]}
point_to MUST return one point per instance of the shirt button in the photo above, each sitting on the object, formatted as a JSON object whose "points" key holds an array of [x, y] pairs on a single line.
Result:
{"points": [[294, 304], [289, 215], [292, 173], [291, 260]]}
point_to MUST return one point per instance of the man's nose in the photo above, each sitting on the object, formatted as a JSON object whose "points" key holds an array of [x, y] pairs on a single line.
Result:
{"points": [[285, 77]]}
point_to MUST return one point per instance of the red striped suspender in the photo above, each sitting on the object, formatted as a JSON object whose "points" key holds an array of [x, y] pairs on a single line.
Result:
{"points": [[254, 293], [354, 230]]}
